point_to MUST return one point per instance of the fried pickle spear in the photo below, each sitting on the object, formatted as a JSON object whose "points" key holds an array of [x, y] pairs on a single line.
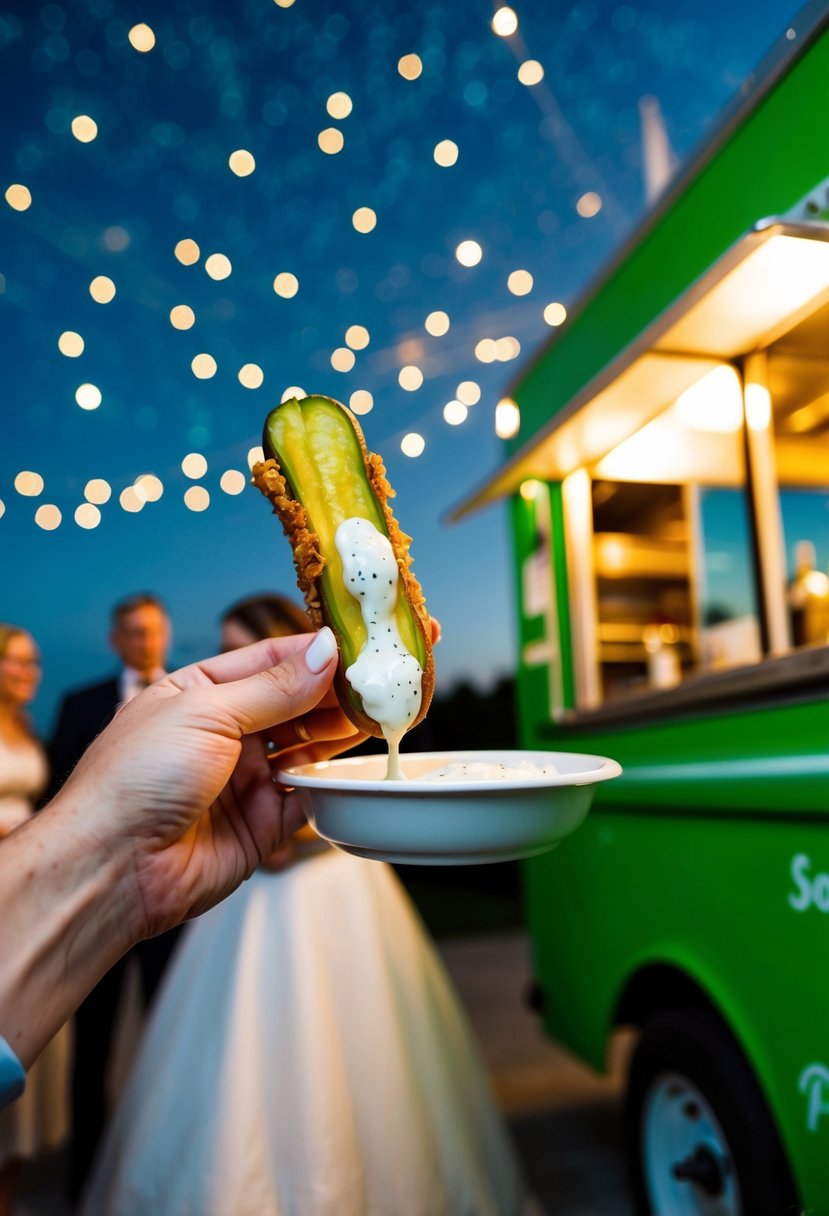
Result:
{"points": [[317, 474]]}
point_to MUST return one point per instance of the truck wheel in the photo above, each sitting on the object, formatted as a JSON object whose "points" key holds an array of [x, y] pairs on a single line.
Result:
{"points": [[700, 1138]]}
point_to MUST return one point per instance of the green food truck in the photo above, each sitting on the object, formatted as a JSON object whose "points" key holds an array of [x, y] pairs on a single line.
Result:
{"points": [[669, 490]]}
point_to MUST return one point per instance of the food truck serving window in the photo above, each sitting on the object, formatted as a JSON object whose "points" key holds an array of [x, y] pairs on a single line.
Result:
{"points": [[673, 572]]}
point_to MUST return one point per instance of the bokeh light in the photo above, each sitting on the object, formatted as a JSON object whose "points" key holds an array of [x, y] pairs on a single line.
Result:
{"points": [[28, 484], [194, 465], [361, 401], [410, 378], [251, 375], [357, 337], [70, 344], [196, 498], [507, 418], [412, 444], [293, 392], [87, 515], [469, 392], [469, 253], [241, 162], [446, 153], [505, 21], [182, 317], [364, 219], [286, 285], [233, 481], [19, 197], [102, 289], [455, 412], [84, 128], [48, 517], [132, 500], [97, 491], [485, 350], [437, 324], [530, 72], [589, 204], [555, 313], [410, 66], [204, 366], [88, 396], [342, 359], [187, 251], [331, 140], [339, 105], [520, 282], [256, 454], [150, 486], [141, 37], [218, 266]]}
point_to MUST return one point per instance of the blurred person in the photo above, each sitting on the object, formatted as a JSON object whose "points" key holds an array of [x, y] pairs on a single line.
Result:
{"points": [[307, 1055], [39, 1119], [171, 807], [140, 636]]}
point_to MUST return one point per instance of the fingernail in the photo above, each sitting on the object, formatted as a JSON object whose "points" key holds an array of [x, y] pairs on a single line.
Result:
{"points": [[321, 651]]}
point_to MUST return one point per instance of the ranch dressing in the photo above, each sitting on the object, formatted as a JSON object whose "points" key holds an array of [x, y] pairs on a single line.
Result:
{"points": [[385, 675]]}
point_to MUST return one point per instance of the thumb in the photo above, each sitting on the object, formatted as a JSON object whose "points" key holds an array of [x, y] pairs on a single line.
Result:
{"points": [[284, 692]]}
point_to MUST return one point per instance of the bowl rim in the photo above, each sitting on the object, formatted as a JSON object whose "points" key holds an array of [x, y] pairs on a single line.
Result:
{"points": [[311, 776]]}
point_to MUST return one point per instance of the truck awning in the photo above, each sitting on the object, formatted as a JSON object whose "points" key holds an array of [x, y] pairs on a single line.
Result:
{"points": [[774, 276]]}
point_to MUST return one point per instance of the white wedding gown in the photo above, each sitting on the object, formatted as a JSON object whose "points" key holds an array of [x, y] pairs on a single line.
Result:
{"points": [[308, 1057]]}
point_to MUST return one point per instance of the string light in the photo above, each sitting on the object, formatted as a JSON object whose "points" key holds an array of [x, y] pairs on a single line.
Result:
{"points": [[589, 204], [555, 314], [410, 378], [204, 366], [507, 418], [294, 392], [87, 515], [233, 481], [48, 517], [437, 324], [88, 396], [194, 465], [505, 22], [19, 197], [286, 285], [196, 498], [251, 376], [410, 66], [97, 491], [357, 337], [468, 392], [342, 360], [182, 317], [412, 444], [364, 219], [256, 455], [455, 412], [520, 282], [218, 266], [331, 140], [339, 105], [530, 72], [361, 401], [241, 162], [469, 253], [187, 252], [28, 484], [102, 289], [141, 37], [84, 128], [446, 153], [70, 344]]}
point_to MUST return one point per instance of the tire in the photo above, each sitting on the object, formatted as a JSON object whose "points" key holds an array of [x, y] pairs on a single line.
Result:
{"points": [[693, 1102]]}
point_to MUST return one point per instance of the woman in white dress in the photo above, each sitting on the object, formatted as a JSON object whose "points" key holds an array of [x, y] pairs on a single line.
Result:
{"points": [[39, 1119], [326, 1072]]}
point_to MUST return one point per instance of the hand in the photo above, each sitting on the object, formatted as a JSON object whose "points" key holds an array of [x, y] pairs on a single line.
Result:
{"points": [[180, 783]]}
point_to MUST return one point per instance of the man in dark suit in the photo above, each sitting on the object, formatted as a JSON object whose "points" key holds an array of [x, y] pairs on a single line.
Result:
{"points": [[140, 636]]}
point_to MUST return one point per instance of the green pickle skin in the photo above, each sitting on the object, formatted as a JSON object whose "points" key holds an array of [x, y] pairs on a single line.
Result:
{"points": [[317, 448]]}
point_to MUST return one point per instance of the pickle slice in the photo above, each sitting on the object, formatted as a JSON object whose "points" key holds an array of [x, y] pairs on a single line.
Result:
{"points": [[321, 454]]}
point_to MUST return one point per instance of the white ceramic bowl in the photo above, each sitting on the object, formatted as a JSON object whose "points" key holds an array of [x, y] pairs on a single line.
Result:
{"points": [[349, 802]]}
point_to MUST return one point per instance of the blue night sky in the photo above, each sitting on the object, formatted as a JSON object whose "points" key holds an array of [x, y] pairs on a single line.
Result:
{"points": [[253, 75]]}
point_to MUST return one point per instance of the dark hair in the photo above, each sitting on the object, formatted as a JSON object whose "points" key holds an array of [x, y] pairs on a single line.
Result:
{"points": [[268, 616], [130, 602]]}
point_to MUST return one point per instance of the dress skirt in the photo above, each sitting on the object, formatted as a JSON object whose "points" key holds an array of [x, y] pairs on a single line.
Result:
{"points": [[307, 1056]]}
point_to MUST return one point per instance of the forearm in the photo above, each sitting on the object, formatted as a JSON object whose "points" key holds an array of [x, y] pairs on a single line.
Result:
{"points": [[66, 918]]}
